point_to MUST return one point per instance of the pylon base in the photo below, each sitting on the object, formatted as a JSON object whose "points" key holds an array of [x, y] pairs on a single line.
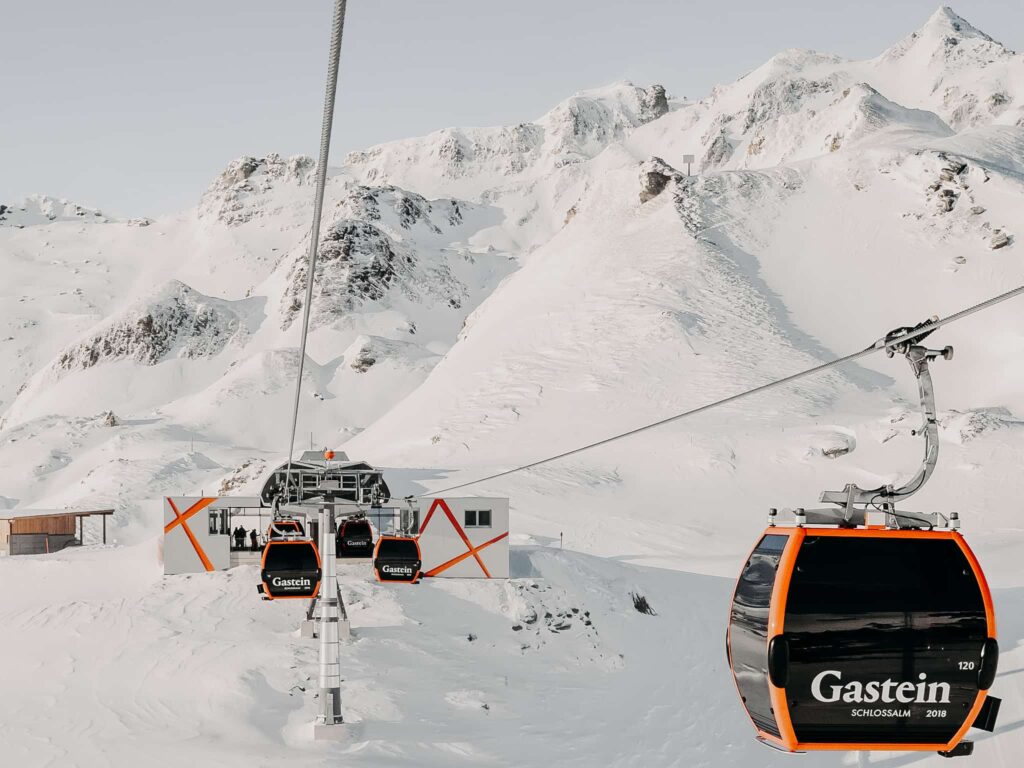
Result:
{"points": [[326, 732]]}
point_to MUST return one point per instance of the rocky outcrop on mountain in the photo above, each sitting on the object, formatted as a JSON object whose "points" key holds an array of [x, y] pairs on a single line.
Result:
{"points": [[367, 351], [963, 427], [376, 246], [235, 195], [788, 117], [655, 175], [999, 239], [577, 129], [175, 321], [43, 209], [401, 209], [718, 153], [653, 103], [972, 79], [774, 98]]}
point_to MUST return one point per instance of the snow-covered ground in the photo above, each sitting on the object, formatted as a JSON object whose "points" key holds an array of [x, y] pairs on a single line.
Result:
{"points": [[486, 297], [116, 665]]}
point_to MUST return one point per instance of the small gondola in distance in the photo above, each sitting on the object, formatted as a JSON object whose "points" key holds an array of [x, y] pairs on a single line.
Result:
{"points": [[355, 538]]}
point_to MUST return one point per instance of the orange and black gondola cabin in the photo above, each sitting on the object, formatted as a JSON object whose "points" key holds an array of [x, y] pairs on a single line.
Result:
{"points": [[397, 559], [290, 568], [863, 639], [355, 539]]}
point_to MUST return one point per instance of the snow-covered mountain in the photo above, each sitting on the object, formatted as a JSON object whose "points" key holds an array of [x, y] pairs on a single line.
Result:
{"points": [[489, 296]]}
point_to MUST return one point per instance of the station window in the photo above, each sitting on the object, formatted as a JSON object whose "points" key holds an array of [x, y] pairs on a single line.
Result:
{"points": [[478, 518], [214, 522]]}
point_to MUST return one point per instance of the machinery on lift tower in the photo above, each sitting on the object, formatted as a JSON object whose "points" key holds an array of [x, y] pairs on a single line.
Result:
{"points": [[852, 635]]}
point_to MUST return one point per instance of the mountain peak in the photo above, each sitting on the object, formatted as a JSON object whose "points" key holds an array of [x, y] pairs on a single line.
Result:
{"points": [[946, 21]]}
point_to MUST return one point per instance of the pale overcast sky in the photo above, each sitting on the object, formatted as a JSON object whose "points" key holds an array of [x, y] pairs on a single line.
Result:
{"points": [[134, 107]]}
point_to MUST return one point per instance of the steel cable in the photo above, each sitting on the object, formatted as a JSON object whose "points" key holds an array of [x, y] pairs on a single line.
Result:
{"points": [[879, 345], [337, 28]]}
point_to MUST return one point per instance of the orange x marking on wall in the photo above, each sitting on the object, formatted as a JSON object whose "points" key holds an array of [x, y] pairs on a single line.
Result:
{"points": [[471, 551], [182, 520]]}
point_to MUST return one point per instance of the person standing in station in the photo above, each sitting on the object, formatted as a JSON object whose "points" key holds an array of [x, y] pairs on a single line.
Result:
{"points": [[239, 537], [255, 539]]}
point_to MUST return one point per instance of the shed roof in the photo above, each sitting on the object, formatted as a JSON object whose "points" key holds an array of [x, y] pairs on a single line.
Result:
{"points": [[23, 514]]}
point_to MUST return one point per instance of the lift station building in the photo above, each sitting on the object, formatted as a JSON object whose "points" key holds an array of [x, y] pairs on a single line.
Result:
{"points": [[459, 537]]}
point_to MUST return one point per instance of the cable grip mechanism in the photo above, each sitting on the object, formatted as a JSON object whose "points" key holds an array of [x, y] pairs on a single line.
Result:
{"points": [[885, 497]]}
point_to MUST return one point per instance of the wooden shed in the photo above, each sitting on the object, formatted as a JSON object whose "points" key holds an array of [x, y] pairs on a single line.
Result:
{"points": [[38, 531]]}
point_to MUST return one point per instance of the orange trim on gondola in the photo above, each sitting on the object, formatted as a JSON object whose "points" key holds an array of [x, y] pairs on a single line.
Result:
{"points": [[776, 622], [728, 635], [182, 519], [263, 565], [282, 525], [986, 593], [776, 626]]}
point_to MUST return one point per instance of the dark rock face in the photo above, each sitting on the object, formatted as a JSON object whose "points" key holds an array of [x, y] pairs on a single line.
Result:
{"points": [[775, 98], [233, 196], [179, 321], [655, 175], [653, 103], [718, 152], [356, 262], [364, 360], [372, 250]]}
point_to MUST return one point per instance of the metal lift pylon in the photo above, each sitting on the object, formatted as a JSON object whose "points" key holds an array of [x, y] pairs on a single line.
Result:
{"points": [[311, 626], [331, 609]]}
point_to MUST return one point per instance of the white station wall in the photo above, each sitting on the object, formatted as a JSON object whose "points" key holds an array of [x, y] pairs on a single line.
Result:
{"points": [[449, 523]]}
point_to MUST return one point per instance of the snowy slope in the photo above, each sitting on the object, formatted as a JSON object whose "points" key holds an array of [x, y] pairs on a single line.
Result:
{"points": [[487, 297], [552, 666]]}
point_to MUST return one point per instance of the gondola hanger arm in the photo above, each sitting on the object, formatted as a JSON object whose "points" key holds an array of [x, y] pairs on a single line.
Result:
{"points": [[918, 357]]}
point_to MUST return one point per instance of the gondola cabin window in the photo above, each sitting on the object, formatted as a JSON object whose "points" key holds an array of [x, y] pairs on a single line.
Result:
{"points": [[478, 518]]}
